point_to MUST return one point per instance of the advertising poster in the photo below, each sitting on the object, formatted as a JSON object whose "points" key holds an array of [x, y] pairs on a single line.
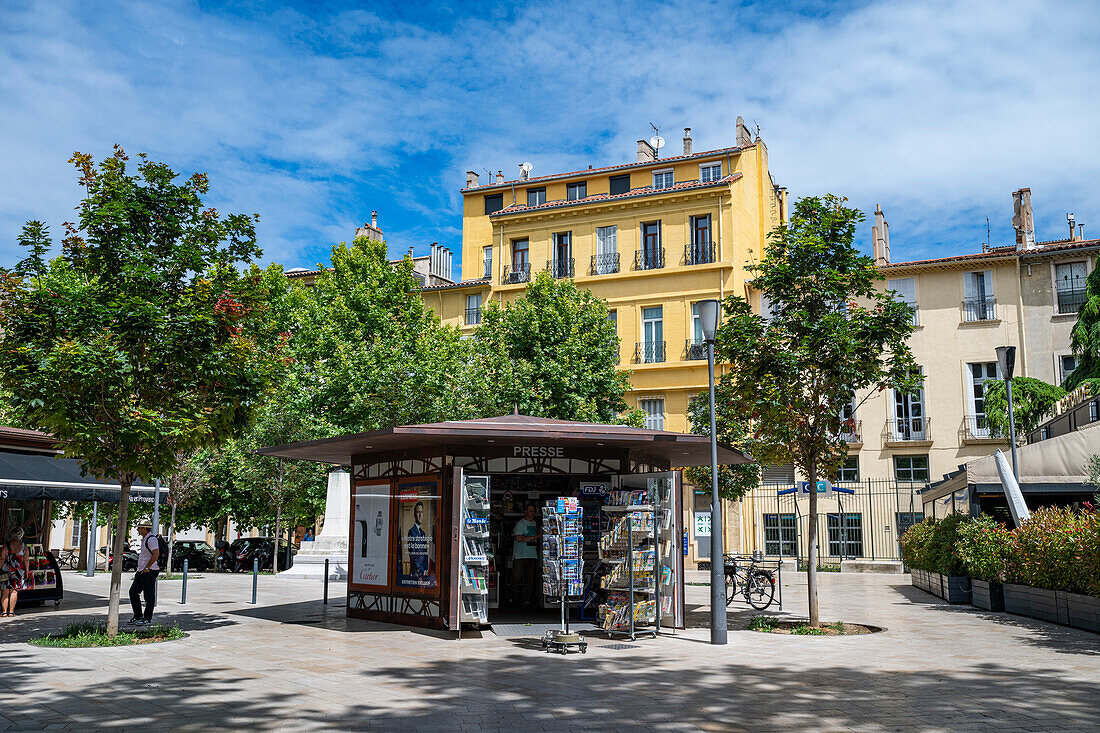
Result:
{"points": [[370, 549], [418, 529]]}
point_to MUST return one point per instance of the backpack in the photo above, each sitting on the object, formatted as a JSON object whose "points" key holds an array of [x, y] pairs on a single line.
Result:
{"points": [[162, 550]]}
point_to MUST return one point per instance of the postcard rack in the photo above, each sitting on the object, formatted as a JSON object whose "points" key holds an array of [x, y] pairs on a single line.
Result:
{"points": [[629, 546]]}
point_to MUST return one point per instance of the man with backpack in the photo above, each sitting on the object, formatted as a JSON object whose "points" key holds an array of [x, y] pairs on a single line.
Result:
{"points": [[145, 582]]}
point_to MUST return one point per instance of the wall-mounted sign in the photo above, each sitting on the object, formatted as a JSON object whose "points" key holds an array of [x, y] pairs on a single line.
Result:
{"points": [[538, 451], [370, 541], [593, 489], [702, 524], [417, 530]]}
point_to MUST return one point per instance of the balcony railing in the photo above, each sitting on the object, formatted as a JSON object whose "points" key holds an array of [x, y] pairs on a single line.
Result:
{"points": [[1070, 299], [851, 431], [605, 264], [649, 352], [694, 350], [977, 427], [979, 309], [904, 429], [561, 268], [916, 313], [488, 269], [516, 274], [699, 253], [649, 259], [473, 316]]}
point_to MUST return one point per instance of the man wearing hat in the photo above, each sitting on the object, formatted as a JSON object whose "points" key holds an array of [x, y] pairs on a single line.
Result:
{"points": [[146, 579]]}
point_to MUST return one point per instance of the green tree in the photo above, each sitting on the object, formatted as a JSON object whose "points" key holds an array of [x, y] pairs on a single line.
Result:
{"points": [[1031, 401], [831, 335], [551, 353], [143, 339], [1085, 336], [36, 238], [734, 428]]}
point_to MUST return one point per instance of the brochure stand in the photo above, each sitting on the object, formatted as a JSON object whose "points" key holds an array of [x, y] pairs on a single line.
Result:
{"points": [[562, 569], [630, 547], [475, 552]]}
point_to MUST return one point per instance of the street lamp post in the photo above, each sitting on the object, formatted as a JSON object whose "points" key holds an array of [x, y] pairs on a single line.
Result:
{"points": [[1006, 361], [708, 318]]}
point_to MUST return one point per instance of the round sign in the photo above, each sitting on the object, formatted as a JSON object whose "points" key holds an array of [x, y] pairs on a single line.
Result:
{"points": [[507, 495]]}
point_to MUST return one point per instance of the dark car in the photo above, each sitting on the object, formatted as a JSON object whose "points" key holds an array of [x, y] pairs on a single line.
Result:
{"points": [[243, 551], [199, 555]]}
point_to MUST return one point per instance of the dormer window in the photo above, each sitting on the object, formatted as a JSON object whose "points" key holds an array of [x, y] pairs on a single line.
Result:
{"points": [[710, 172], [536, 196], [576, 191], [662, 179]]}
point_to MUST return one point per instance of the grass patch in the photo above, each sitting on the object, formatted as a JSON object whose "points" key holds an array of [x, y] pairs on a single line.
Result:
{"points": [[807, 630], [94, 633], [763, 623]]}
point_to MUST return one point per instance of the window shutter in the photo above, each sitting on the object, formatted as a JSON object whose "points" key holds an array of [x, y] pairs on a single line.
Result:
{"points": [[906, 288], [970, 285]]}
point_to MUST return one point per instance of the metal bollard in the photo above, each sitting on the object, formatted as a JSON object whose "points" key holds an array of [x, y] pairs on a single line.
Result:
{"points": [[183, 594], [326, 581], [255, 576]]}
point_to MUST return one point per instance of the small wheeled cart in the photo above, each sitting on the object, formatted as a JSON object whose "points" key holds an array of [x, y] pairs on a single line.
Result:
{"points": [[564, 642]]}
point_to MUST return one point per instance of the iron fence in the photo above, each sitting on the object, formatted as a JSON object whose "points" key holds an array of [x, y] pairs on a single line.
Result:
{"points": [[864, 524], [699, 253], [560, 268], [605, 264], [695, 349], [650, 258], [979, 309], [649, 352], [516, 274], [1070, 298]]}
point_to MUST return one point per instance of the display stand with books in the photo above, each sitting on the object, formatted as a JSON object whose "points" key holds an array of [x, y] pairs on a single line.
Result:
{"points": [[629, 546], [562, 568], [476, 555], [44, 581]]}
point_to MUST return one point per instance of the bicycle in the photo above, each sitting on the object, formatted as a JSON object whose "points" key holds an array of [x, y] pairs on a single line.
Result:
{"points": [[68, 559], [756, 584]]}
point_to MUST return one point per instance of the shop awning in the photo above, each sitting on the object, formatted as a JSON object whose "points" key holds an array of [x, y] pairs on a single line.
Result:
{"points": [[1056, 465], [29, 476], [679, 449]]}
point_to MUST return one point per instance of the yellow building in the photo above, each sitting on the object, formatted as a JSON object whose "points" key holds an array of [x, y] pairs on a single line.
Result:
{"points": [[651, 237]]}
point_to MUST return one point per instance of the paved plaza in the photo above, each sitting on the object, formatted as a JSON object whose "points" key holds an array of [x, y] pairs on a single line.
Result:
{"points": [[290, 662]]}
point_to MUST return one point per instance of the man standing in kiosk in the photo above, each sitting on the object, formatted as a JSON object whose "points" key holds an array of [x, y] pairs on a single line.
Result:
{"points": [[525, 558]]}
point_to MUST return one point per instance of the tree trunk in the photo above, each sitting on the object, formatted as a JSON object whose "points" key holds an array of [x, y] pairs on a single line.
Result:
{"points": [[116, 568], [171, 539], [275, 543], [811, 539]]}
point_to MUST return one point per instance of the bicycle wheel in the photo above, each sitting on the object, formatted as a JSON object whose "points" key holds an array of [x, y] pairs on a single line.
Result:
{"points": [[760, 590], [731, 588]]}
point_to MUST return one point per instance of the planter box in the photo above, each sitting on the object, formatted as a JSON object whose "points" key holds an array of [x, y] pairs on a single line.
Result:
{"points": [[1083, 612], [987, 595], [1048, 605], [954, 588], [921, 580]]}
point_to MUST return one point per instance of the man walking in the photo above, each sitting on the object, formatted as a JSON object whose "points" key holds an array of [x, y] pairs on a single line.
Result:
{"points": [[146, 579]]}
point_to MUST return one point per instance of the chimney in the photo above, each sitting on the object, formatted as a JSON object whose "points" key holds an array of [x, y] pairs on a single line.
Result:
{"points": [[687, 141], [1023, 221], [471, 179], [744, 137], [523, 173], [374, 220], [880, 238], [500, 176], [1072, 226], [646, 152]]}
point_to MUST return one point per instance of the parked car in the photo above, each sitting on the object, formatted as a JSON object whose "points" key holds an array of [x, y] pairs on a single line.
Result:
{"points": [[242, 552], [199, 555]]}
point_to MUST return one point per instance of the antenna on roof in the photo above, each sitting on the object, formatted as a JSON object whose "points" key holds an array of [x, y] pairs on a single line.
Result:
{"points": [[988, 243], [656, 141]]}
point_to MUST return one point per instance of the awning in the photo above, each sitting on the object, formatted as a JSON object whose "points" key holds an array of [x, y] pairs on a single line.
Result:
{"points": [[27, 476], [1056, 465], [679, 449]]}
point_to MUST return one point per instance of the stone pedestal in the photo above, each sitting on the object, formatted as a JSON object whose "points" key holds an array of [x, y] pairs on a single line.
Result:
{"points": [[332, 542]]}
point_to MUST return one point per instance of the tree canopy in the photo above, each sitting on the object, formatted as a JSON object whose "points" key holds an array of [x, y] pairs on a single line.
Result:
{"points": [[831, 335], [147, 338], [1085, 336], [553, 353], [1032, 399]]}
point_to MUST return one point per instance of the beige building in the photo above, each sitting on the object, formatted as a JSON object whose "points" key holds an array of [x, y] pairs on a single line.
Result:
{"points": [[1026, 295]]}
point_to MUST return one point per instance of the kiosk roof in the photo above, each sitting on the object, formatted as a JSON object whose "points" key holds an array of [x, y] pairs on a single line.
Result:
{"points": [[680, 449]]}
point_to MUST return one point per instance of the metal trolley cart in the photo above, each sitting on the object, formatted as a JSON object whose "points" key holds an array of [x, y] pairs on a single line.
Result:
{"points": [[562, 569]]}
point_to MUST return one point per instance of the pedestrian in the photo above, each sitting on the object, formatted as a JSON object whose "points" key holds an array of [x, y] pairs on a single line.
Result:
{"points": [[525, 558], [145, 581], [13, 569]]}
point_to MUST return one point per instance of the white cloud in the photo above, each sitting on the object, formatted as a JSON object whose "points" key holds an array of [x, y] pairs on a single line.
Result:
{"points": [[936, 111]]}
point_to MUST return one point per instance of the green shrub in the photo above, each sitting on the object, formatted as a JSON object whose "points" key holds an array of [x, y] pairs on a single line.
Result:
{"points": [[943, 554], [1050, 551], [807, 630], [914, 544], [1090, 553], [763, 623], [983, 546]]}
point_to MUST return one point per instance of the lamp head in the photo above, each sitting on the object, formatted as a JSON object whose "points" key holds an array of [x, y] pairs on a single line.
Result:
{"points": [[1006, 360], [709, 311]]}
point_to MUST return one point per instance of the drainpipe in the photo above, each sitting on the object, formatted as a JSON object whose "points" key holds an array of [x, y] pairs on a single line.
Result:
{"points": [[1022, 351]]}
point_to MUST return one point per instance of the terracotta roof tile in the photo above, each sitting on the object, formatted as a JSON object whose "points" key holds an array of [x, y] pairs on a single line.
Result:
{"points": [[1000, 253], [600, 197]]}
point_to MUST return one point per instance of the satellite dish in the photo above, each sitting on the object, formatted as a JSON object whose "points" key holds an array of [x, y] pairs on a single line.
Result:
{"points": [[657, 142], [526, 167]]}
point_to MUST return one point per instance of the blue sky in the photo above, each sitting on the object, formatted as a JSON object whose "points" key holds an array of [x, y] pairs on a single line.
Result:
{"points": [[313, 114]]}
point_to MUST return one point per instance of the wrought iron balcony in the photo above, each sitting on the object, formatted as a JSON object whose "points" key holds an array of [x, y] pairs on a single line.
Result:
{"points": [[560, 268], [1070, 299], [906, 429], [977, 427], [699, 253], [649, 352], [473, 316], [916, 313], [649, 259], [516, 274], [695, 349], [488, 269], [979, 309], [605, 264], [851, 431]]}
